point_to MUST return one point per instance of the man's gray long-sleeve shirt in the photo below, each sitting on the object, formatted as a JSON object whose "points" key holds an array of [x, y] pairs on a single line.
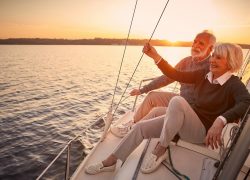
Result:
{"points": [[186, 90]]}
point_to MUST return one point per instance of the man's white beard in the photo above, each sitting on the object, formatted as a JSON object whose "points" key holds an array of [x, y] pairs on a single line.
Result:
{"points": [[199, 55]]}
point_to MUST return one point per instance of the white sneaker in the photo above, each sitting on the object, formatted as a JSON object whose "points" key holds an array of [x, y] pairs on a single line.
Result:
{"points": [[150, 164], [98, 168], [122, 130]]}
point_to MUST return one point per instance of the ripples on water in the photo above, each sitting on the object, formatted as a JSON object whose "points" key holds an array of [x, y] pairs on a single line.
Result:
{"points": [[51, 93]]}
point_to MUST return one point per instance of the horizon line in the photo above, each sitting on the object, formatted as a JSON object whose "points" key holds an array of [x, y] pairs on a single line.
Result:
{"points": [[100, 38]]}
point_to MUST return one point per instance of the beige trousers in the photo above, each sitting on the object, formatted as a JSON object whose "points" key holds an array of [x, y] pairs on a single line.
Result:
{"points": [[180, 118], [153, 105]]}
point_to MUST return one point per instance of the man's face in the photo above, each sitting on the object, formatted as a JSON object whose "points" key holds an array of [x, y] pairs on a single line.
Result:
{"points": [[201, 46]]}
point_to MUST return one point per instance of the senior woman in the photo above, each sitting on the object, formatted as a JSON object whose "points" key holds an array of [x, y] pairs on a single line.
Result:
{"points": [[220, 98]]}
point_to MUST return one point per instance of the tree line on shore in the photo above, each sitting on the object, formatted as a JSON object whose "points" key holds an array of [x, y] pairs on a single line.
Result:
{"points": [[96, 41]]}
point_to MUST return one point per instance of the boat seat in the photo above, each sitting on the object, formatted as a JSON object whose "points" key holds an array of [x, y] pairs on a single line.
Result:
{"points": [[208, 151]]}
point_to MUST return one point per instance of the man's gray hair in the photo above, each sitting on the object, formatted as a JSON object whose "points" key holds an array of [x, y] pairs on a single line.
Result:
{"points": [[212, 38]]}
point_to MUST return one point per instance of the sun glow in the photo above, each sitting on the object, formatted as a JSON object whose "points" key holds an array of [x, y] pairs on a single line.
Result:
{"points": [[182, 20]]}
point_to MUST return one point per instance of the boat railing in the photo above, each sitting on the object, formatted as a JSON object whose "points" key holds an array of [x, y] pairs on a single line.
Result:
{"points": [[144, 80], [66, 147]]}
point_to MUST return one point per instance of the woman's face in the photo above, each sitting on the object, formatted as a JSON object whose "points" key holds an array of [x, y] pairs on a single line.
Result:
{"points": [[218, 65]]}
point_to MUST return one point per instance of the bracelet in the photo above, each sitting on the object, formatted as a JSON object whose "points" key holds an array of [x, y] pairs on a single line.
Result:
{"points": [[159, 61], [223, 119]]}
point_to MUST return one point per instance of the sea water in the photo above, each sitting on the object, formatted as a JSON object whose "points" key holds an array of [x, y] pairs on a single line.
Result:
{"points": [[51, 93]]}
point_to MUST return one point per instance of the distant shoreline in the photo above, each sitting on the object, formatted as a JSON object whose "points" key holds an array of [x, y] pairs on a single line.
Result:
{"points": [[96, 41]]}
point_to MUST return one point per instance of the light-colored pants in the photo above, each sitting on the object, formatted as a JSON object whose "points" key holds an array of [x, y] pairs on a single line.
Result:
{"points": [[180, 118], [153, 105]]}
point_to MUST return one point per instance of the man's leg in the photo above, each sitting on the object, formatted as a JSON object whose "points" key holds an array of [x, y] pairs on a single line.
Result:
{"points": [[153, 105], [155, 112], [153, 99]]}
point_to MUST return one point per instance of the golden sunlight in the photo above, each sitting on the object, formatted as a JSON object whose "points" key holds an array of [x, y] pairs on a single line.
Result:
{"points": [[181, 21]]}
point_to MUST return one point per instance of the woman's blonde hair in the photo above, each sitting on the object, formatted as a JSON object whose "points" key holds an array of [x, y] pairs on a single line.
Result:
{"points": [[232, 52]]}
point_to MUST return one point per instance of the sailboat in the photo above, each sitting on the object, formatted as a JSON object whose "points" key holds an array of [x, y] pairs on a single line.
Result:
{"points": [[186, 160]]}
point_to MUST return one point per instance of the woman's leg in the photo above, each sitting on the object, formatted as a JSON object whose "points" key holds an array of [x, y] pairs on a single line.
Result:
{"points": [[182, 119], [142, 130]]}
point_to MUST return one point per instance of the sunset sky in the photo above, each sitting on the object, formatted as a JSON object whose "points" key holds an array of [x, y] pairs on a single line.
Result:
{"points": [[75, 19]]}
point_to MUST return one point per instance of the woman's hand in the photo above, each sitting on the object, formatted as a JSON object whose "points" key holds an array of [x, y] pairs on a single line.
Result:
{"points": [[213, 137], [151, 52], [135, 92]]}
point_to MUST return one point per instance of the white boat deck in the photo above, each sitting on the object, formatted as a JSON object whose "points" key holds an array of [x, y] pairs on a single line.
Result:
{"points": [[189, 163], [187, 158]]}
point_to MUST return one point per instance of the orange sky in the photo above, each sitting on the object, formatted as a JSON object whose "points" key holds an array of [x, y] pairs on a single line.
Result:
{"points": [[74, 19]]}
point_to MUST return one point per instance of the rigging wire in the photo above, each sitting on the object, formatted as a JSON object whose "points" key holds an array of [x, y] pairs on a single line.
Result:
{"points": [[125, 48], [141, 56]]}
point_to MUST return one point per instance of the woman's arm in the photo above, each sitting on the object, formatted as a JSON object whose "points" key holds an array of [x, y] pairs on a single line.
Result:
{"points": [[168, 70], [241, 97], [184, 77]]}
